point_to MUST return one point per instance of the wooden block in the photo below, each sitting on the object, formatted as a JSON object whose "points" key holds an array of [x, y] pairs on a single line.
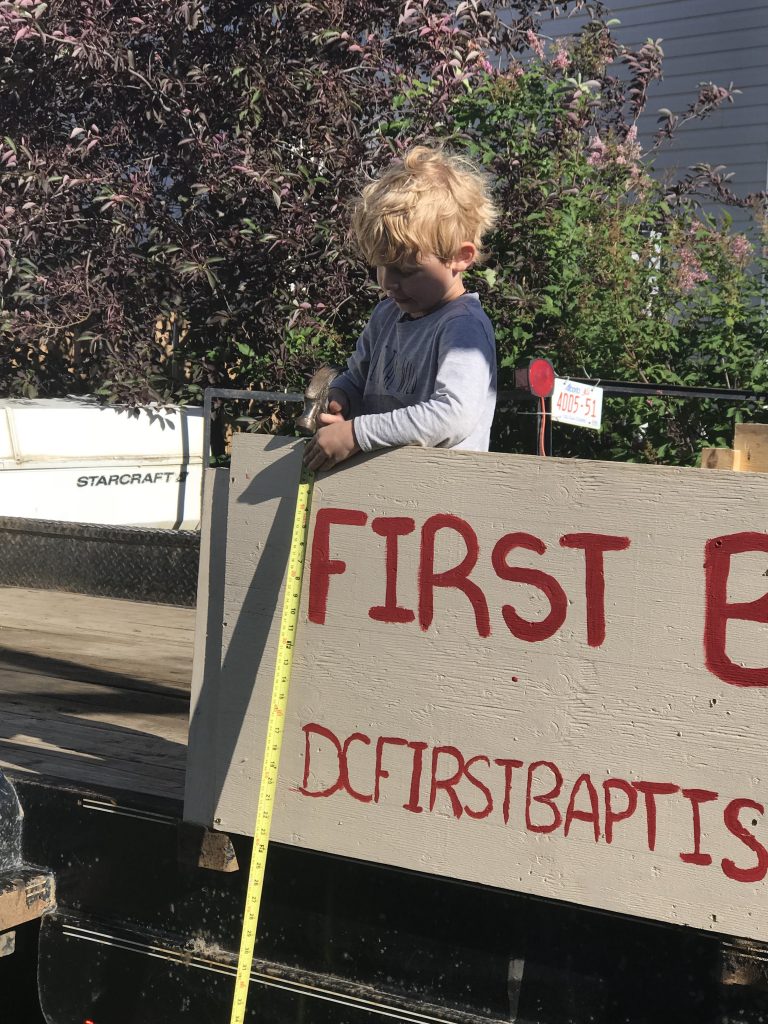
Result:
{"points": [[750, 441], [25, 894], [202, 848], [717, 458]]}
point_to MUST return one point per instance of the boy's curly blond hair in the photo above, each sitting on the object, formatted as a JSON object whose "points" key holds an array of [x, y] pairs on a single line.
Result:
{"points": [[429, 203]]}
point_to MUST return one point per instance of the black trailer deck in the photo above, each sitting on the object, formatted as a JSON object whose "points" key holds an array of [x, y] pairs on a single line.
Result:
{"points": [[93, 720]]}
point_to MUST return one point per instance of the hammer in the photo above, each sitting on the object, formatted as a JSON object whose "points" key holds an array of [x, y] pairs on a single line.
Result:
{"points": [[316, 398]]}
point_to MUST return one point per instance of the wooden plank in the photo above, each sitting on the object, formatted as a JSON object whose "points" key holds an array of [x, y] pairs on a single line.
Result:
{"points": [[717, 458], [25, 895], [160, 717], [29, 687], [128, 731], [131, 639], [94, 740], [203, 782], [509, 718], [93, 753], [112, 774], [750, 441]]}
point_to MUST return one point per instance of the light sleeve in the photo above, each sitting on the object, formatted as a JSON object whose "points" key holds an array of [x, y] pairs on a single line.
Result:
{"points": [[466, 362]]}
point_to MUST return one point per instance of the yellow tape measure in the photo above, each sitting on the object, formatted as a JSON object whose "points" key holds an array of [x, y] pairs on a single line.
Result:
{"points": [[275, 728]]}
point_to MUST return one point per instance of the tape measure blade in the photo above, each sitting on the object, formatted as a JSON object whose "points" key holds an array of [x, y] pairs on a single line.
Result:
{"points": [[273, 744]]}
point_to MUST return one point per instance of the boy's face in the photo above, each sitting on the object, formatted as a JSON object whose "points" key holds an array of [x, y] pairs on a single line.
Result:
{"points": [[425, 285]]}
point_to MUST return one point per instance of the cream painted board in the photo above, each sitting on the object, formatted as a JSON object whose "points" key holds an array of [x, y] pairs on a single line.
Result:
{"points": [[452, 730]]}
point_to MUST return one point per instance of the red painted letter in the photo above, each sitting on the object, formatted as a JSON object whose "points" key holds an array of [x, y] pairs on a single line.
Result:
{"points": [[356, 737], [717, 565], [392, 527], [594, 546], [650, 791], [508, 764], [732, 823], [322, 566], [543, 798], [593, 814], [697, 797], [451, 782], [418, 747], [485, 811], [382, 773], [458, 577], [523, 629], [320, 730], [611, 816]]}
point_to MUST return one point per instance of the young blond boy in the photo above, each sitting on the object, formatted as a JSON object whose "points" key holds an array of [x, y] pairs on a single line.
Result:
{"points": [[424, 369]]}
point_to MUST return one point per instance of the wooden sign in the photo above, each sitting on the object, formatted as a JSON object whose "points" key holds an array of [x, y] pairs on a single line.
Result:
{"points": [[544, 675]]}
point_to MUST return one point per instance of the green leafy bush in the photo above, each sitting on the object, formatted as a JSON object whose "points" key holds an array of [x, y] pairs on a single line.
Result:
{"points": [[605, 269]]}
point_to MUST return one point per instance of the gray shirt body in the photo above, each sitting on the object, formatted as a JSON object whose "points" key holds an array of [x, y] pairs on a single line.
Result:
{"points": [[429, 381]]}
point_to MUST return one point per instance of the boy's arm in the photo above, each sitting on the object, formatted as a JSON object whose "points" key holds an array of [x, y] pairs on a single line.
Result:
{"points": [[349, 386], [466, 374], [335, 439]]}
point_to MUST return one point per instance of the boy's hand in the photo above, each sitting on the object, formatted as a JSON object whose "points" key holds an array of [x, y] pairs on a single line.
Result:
{"points": [[338, 402], [333, 443]]}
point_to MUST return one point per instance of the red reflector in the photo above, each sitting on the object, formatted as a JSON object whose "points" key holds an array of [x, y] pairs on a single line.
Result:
{"points": [[541, 377]]}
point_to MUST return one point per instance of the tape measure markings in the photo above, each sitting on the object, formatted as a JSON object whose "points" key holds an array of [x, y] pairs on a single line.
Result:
{"points": [[273, 745]]}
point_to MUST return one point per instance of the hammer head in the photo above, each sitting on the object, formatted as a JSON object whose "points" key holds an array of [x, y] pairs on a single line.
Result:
{"points": [[316, 398]]}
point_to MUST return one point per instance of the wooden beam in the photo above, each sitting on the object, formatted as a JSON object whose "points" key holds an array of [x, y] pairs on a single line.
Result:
{"points": [[717, 458], [750, 443], [25, 894]]}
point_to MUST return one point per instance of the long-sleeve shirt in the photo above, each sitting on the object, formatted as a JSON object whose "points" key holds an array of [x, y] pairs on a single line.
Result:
{"points": [[429, 381]]}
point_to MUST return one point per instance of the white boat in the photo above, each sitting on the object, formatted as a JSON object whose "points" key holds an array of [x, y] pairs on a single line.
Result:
{"points": [[73, 460]]}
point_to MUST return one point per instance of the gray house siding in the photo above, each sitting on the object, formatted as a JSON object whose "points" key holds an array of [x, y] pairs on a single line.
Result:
{"points": [[702, 42]]}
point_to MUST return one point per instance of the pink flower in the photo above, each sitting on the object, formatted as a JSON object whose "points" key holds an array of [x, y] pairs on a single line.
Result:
{"points": [[629, 150], [741, 248], [690, 271], [561, 61], [535, 43]]}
